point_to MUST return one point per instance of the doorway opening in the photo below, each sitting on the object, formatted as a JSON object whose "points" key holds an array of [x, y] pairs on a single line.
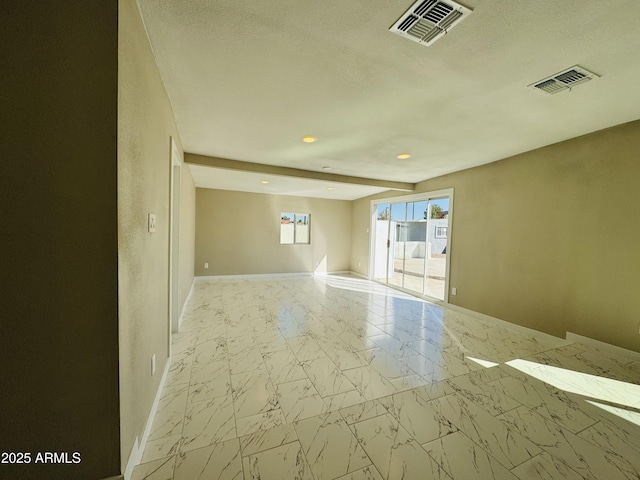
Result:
{"points": [[411, 241]]}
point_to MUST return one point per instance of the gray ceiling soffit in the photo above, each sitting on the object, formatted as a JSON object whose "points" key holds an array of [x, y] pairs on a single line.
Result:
{"points": [[203, 160]]}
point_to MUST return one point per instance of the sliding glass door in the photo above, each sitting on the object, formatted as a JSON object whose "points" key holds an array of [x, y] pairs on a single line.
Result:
{"points": [[410, 243]]}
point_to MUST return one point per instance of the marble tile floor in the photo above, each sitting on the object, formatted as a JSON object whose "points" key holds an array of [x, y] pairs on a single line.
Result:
{"points": [[341, 378]]}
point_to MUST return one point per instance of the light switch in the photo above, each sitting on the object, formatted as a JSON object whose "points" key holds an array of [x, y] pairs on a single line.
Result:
{"points": [[152, 222]]}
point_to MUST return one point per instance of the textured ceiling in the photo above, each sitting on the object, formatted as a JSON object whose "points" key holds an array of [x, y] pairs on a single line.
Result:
{"points": [[248, 79]]}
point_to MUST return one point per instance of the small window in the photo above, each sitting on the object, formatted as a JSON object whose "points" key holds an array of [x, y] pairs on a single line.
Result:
{"points": [[294, 228], [441, 232]]}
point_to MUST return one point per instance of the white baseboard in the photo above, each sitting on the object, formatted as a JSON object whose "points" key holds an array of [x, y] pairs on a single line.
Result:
{"points": [[134, 459], [607, 347], [138, 448], [252, 275], [556, 341], [328, 274], [184, 305], [359, 275], [276, 275]]}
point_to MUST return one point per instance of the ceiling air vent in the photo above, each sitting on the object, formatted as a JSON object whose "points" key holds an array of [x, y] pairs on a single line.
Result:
{"points": [[564, 81], [428, 20]]}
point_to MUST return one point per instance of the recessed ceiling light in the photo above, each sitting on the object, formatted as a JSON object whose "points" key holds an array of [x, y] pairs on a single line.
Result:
{"points": [[264, 182], [403, 156], [329, 188], [326, 168], [309, 139]]}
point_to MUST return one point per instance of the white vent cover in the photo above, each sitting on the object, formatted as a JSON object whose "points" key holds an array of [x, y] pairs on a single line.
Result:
{"points": [[564, 81], [428, 20]]}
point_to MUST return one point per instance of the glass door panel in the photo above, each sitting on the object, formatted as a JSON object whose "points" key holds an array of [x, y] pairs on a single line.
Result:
{"points": [[436, 254], [397, 237], [415, 246]]}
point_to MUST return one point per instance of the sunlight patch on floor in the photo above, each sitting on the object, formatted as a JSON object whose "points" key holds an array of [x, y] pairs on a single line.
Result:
{"points": [[484, 363], [602, 388], [629, 415]]}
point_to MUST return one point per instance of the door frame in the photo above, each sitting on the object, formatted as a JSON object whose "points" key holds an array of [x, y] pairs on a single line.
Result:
{"points": [[448, 192], [174, 240]]}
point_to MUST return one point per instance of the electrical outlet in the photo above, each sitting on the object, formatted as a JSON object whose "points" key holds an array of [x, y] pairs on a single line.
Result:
{"points": [[152, 223], [206, 265], [359, 264], [454, 291], [153, 364]]}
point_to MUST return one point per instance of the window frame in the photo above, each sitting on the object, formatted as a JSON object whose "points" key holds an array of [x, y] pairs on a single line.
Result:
{"points": [[294, 221]]}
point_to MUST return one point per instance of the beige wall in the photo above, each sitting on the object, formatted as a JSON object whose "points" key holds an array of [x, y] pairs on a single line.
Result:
{"points": [[360, 226], [187, 232], [238, 233], [547, 239], [145, 125]]}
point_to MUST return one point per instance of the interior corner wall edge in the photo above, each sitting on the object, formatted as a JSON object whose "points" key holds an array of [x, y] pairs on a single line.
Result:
{"points": [[58, 270], [547, 239], [145, 126], [238, 233]]}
